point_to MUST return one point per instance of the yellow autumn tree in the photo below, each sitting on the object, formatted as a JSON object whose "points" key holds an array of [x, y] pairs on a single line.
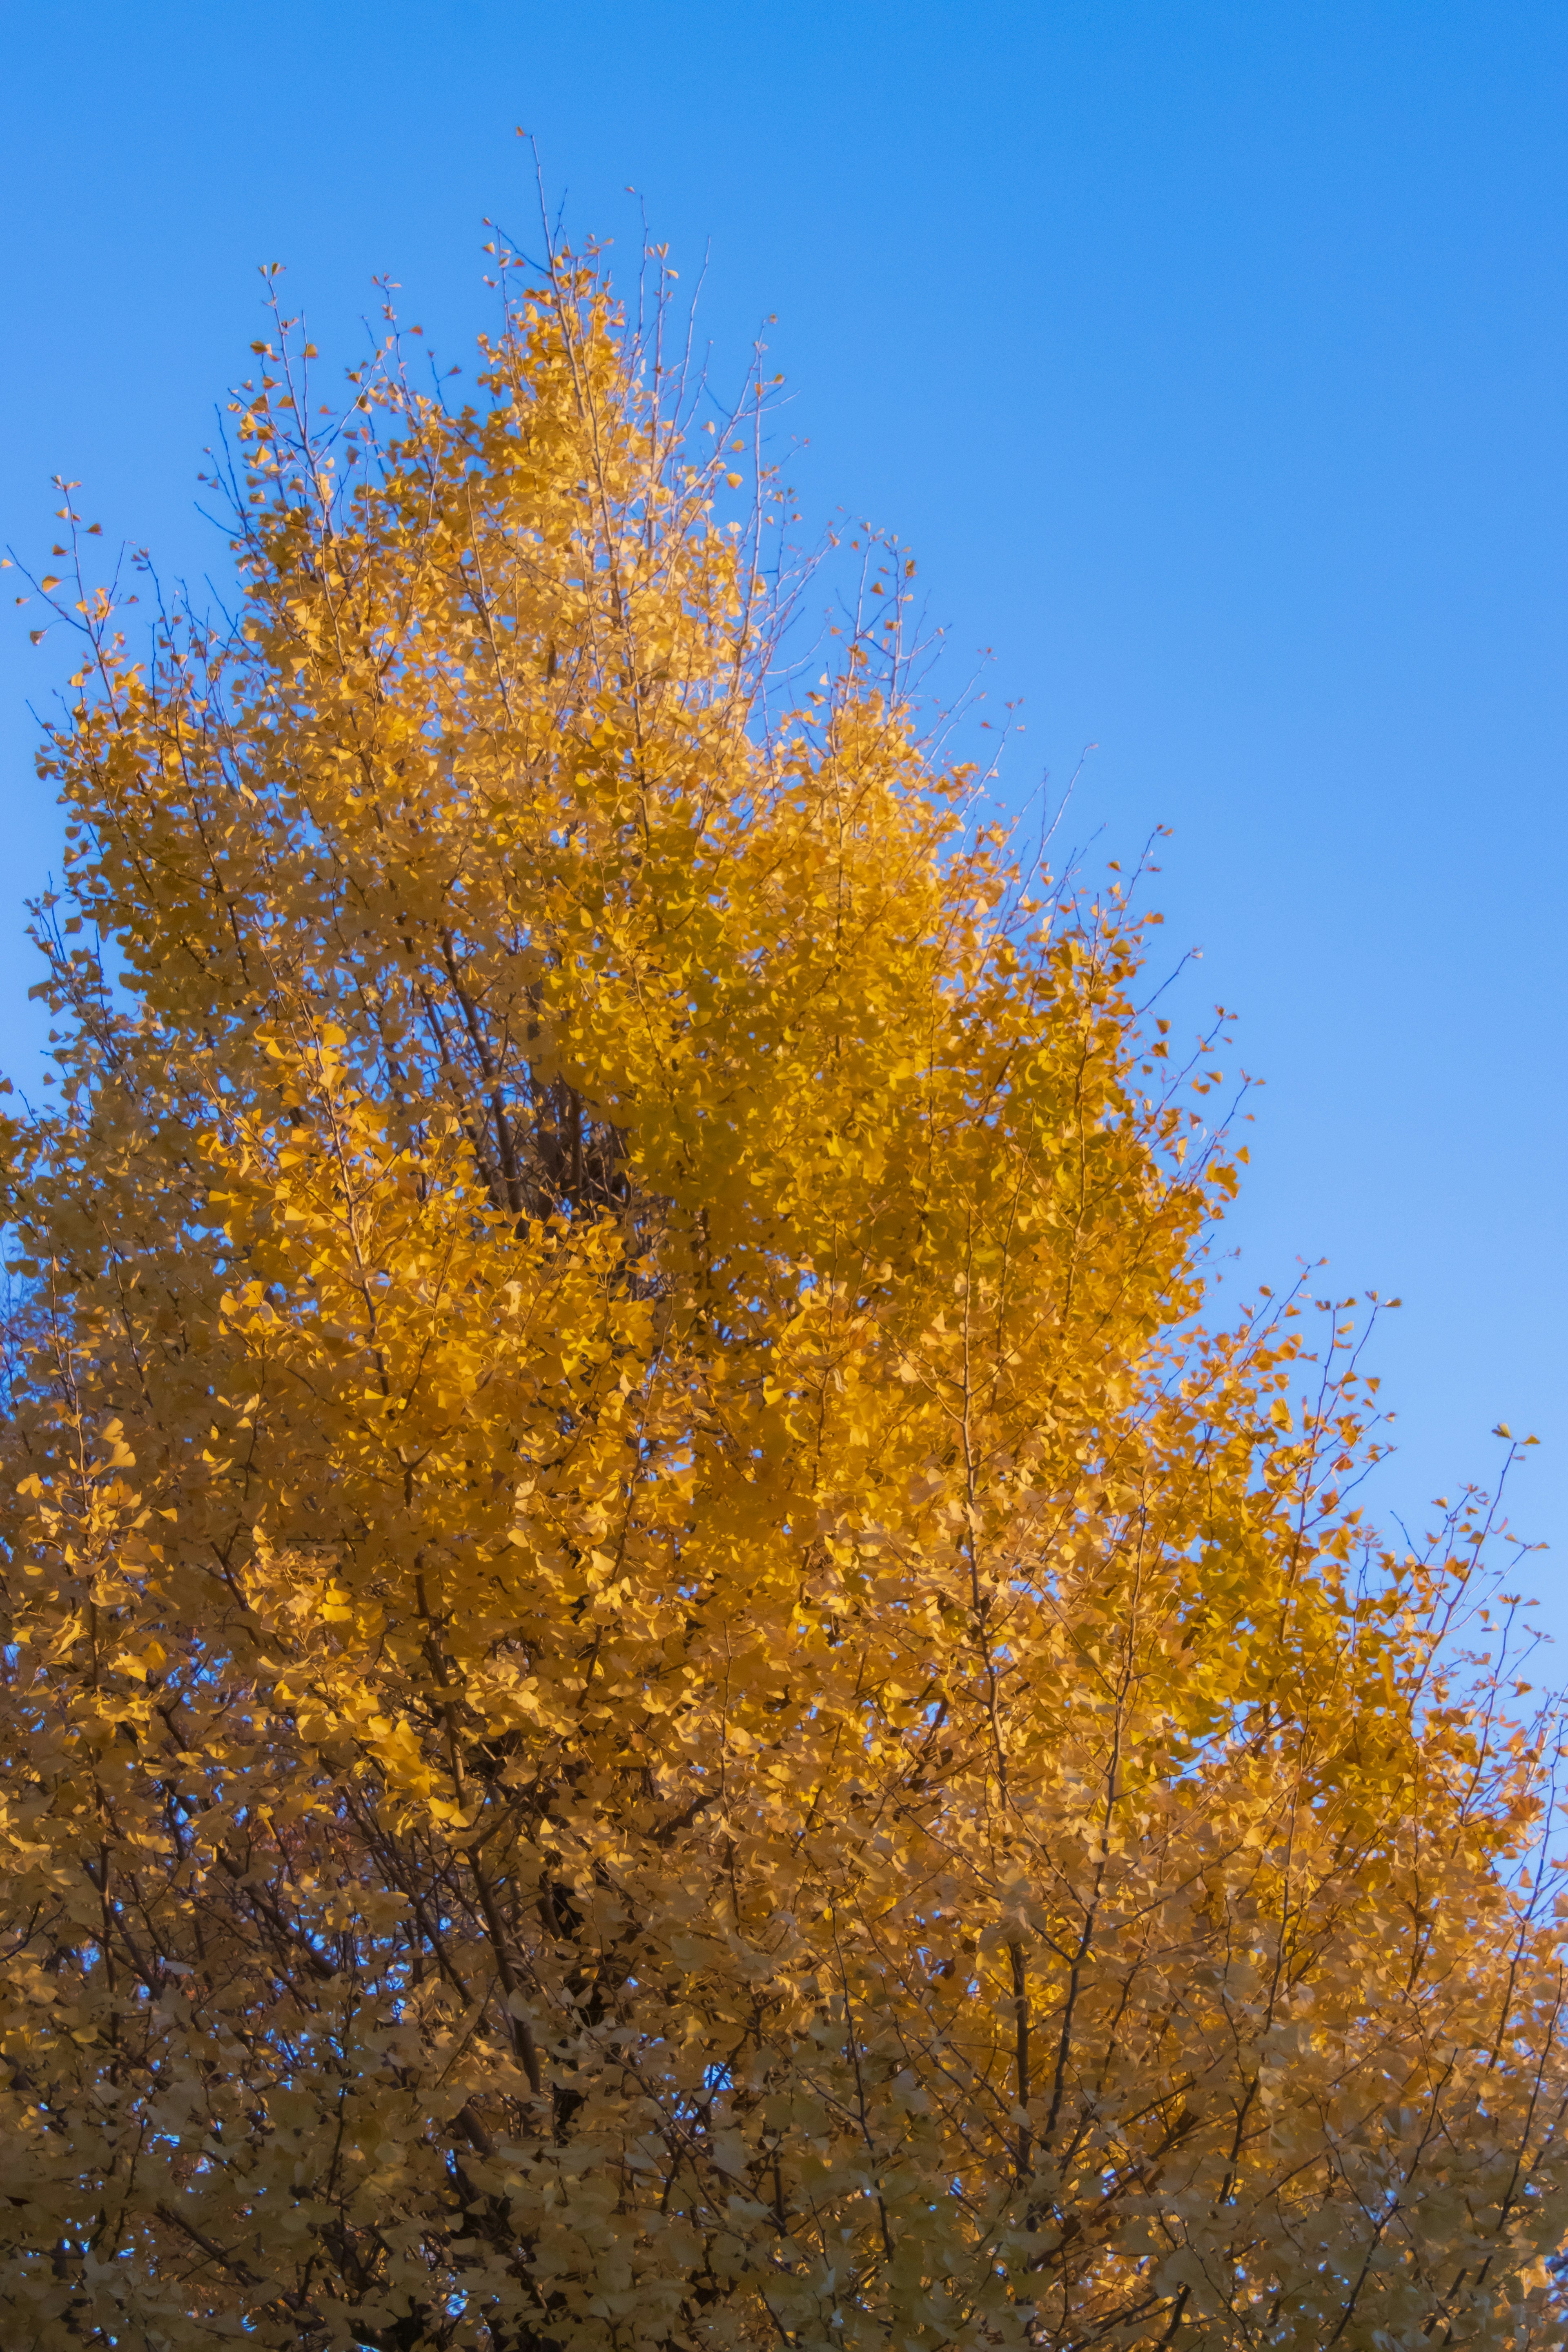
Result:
{"points": [[659, 1691]]}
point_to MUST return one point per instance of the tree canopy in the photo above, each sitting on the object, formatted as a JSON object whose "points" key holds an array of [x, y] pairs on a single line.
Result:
{"points": [[666, 1687]]}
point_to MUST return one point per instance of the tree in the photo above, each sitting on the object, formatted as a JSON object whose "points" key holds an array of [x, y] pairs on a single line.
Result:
{"points": [[660, 1690]]}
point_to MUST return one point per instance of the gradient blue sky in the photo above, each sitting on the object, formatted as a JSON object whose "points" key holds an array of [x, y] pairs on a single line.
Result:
{"points": [[1212, 359]]}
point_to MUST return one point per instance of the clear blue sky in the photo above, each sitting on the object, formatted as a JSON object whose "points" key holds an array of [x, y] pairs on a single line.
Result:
{"points": [[1214, 361]]}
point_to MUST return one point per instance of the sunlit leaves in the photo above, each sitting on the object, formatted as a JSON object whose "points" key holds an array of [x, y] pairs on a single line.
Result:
{"points": [[660, 1692]]}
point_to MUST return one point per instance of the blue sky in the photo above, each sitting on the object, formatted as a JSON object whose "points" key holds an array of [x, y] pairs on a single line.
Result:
{"points": [[1211, 358]]}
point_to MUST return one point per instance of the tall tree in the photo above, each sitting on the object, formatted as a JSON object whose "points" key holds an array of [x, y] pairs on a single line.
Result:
{"points": [[660, 1691]]}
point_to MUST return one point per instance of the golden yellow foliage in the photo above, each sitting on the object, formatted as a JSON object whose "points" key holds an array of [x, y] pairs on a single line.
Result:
{"points": [[660, 1692]]}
